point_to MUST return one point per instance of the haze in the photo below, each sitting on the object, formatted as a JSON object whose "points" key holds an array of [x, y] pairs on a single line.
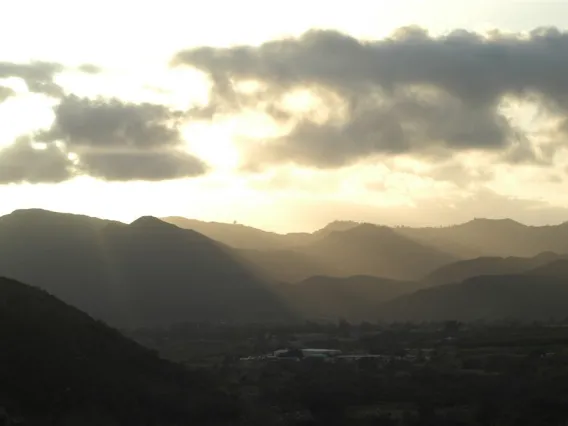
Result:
{"points": [[286, 117]]}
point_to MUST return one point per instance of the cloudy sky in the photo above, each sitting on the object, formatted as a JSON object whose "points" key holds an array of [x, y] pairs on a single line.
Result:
{"points": [[286, 117]]}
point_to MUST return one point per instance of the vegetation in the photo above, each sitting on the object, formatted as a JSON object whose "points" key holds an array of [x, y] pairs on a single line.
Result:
{"points": [[60, 367], [448, 373]]}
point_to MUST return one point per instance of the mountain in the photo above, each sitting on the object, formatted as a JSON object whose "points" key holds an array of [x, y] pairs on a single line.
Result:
{"points": [[464, 269], [558, 268], [487, 237], [344, 249], [239, 236], [147, 273], [491, 297], [353, 298], [368, 249], [153, 273], [58, 366], [294, 257], [536, 294], [476, 238], [338, 225]]}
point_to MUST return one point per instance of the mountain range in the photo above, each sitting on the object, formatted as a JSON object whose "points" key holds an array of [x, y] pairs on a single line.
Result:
{"points": [[156, 272], [478, 237], [146, 273], [539, 294]]}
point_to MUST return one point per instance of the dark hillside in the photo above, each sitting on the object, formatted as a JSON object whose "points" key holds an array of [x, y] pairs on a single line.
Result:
{"points": [[58, 366]]}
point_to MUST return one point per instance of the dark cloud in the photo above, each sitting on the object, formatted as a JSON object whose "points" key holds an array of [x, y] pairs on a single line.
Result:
{"points": [[113, 123], [90, 69], [22, 162], [115, 140], [5, 93], [150, 166], [409, 93], [39, 76]]}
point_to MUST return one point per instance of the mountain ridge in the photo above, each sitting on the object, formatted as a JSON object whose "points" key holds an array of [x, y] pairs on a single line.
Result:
{"points": [[536, 294], [153, 273], [130, 275]]}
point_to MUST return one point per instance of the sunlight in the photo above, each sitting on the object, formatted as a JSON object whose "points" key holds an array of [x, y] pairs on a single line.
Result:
{"points": [[212, 143], [248, 87], [315, 104], [22, 114]]}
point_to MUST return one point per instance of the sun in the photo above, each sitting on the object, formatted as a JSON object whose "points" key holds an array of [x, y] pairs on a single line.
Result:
{"points": [[212, 143]]}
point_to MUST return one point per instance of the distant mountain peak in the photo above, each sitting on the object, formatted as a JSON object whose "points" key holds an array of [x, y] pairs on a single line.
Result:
{"points": [[338, 225], [146, 219], [35, 217], [342, 223], [31, 211], [34, 213], [151, 222], [504, 221], [366, 230]]}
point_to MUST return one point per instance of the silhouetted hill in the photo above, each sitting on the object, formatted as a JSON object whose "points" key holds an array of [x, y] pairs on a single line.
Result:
{"points": [[58, 366], [145, 273], [524, 297], [239, 236], [353, 298], [375, 250], [464, 269], [486, 237], [557, 268], [338, 225], [34, 219]]}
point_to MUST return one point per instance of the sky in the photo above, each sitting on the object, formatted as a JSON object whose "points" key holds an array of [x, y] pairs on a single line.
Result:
{"points": [[406, 112]]}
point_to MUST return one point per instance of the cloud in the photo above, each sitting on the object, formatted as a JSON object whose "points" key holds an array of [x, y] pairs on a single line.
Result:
{"points": [[5, 93], [116, 140], [150, 166], [411, 93], [39, 76], [22, 162], [90, 69], [113, 123]]}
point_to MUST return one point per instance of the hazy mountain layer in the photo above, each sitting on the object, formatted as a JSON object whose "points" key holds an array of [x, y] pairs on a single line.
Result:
{"points": [[537, 294], [146, 273], [354, 298], [464, 269], [152, 273]]}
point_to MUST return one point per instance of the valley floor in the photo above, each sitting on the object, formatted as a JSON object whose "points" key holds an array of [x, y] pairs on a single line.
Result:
{"points": [[430, 374]]}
